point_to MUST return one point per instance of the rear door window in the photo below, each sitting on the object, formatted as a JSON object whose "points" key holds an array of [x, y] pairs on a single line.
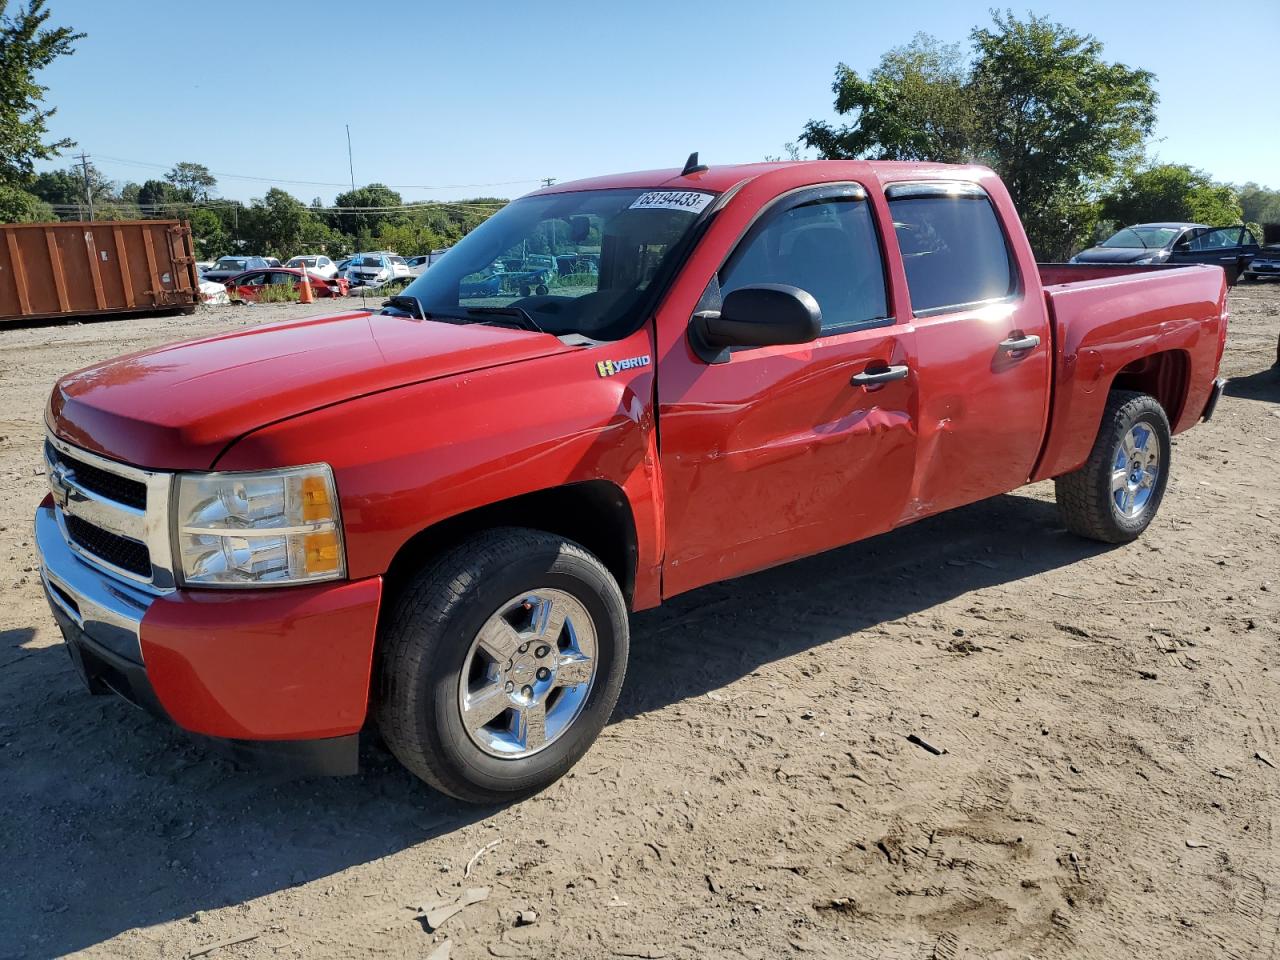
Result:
{"points": [[1220, 239], [825, 243], [953, 248]]}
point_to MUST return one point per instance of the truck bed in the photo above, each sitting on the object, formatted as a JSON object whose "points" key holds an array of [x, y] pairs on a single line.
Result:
{"points": [[1104, 319]]}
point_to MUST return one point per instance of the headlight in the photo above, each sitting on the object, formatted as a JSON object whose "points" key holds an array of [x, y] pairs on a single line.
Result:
{"points": [[269, 528]]}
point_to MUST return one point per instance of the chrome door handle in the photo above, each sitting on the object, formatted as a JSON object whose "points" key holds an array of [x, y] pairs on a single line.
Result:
{"points": [[1020, 343], [879, 375]]}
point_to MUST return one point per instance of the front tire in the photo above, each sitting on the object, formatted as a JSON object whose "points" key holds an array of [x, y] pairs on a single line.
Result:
{"points": [[500, 663], [1116, 494]]}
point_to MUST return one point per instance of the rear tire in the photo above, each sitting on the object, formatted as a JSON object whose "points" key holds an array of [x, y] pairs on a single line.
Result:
{"points": [[1116, 494], [550, 687]]}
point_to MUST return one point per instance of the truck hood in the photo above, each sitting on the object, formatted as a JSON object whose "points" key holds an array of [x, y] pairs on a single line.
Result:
{"points": [[178, 407]]}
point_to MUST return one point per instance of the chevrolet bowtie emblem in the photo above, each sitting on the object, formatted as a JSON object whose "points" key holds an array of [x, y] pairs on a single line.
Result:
{"points": [[58, 484]]}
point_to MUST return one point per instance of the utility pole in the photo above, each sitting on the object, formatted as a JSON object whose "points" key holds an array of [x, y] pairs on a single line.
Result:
{"points": [[548, 181], [88, 189]]}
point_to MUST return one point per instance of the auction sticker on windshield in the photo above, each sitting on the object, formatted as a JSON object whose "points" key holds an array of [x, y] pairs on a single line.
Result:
{"points": [[690, 200]]}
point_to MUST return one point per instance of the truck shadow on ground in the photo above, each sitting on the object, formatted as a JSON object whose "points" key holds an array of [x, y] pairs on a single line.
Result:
{"points": [[1263, 385], [704, 640], [114, 822]]}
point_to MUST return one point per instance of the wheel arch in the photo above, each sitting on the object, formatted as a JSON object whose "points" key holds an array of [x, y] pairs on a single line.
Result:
{"points": [[1165, 375], [593, 513]]}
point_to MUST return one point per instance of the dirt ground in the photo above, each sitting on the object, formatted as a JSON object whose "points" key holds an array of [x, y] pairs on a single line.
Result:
{"points": [[1104, 712]]}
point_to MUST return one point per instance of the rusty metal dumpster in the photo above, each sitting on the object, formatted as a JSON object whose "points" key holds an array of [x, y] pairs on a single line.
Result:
{"points": [[80, 269]]}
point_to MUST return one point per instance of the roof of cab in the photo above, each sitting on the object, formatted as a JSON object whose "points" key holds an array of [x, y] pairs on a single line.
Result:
{"points": [[722, 177]]}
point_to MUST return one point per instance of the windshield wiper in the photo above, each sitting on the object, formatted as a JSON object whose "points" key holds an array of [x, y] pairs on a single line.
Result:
{"points": [[518, 313]]}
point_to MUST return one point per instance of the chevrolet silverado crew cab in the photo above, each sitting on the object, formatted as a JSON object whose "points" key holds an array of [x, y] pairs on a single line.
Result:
{"points": [[434, 519]]}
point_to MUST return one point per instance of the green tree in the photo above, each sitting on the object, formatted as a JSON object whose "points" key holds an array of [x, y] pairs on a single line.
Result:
{"points": [[914, 105], [1259, 204], [280, 225], [192, 180], [1172, 191], [159, 192], [211, 238], [67, 187], [18, 206], [58, 186], [1058, 122], [374, 195], [27, 46], [1038, 103], [409, 239]]}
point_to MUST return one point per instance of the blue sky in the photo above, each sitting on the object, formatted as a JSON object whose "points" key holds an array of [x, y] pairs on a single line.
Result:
{"points": [[501, 94]]}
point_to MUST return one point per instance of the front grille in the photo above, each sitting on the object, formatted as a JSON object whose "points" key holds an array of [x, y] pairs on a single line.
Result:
{"points": [[132, 493], [118, 551]]}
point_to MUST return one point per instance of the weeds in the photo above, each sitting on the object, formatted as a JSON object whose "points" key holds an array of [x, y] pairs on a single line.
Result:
{"points": [[278, 293]]}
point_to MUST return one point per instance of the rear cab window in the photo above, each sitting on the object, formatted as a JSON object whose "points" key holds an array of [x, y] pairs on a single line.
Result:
{"points": [[954, 248]]}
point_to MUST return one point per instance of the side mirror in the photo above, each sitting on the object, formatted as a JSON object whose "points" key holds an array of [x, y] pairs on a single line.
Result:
{"points": [[758, 316]]}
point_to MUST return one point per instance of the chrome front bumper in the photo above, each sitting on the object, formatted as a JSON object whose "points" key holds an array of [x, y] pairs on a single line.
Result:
{"points": [[107, 610]]}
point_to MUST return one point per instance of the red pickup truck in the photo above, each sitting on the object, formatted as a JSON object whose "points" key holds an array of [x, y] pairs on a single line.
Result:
{"points": [[435, 518]]}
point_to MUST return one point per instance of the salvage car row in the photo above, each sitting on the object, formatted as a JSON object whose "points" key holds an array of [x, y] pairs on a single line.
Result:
{"points": [[245, 277]]}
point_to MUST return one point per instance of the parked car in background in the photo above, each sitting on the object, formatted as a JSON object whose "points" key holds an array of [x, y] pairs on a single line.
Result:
{"points": [[203, 265], [419, 264], [249, 285], [375, 269], [212, 292], [1231, 248], [1265, 264], [228, 267], [314, 264], [272, 262]]}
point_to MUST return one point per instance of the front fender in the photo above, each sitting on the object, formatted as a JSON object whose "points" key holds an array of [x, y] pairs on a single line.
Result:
{"points": [[409, 458]]}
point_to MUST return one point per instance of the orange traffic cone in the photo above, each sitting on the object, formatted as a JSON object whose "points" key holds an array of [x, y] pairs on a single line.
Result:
{"points": [[305, 295]]}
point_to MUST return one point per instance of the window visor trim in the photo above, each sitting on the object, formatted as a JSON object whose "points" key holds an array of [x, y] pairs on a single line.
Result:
{"points": [[936, 188]]}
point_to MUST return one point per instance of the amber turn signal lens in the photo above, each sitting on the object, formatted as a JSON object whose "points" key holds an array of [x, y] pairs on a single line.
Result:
{"points": [[321, 552], [315, 500]]}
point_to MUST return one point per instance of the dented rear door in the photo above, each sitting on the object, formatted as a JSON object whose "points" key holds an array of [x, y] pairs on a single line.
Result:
{"points": [[983, 338]]}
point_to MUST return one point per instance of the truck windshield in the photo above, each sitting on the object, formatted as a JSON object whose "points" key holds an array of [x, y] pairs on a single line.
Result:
{"points": [[566, 263], [1151, 237]]}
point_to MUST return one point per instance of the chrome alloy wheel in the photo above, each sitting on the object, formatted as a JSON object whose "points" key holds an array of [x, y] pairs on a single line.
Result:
{"points": [[1135, 470], [528, 673]]}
